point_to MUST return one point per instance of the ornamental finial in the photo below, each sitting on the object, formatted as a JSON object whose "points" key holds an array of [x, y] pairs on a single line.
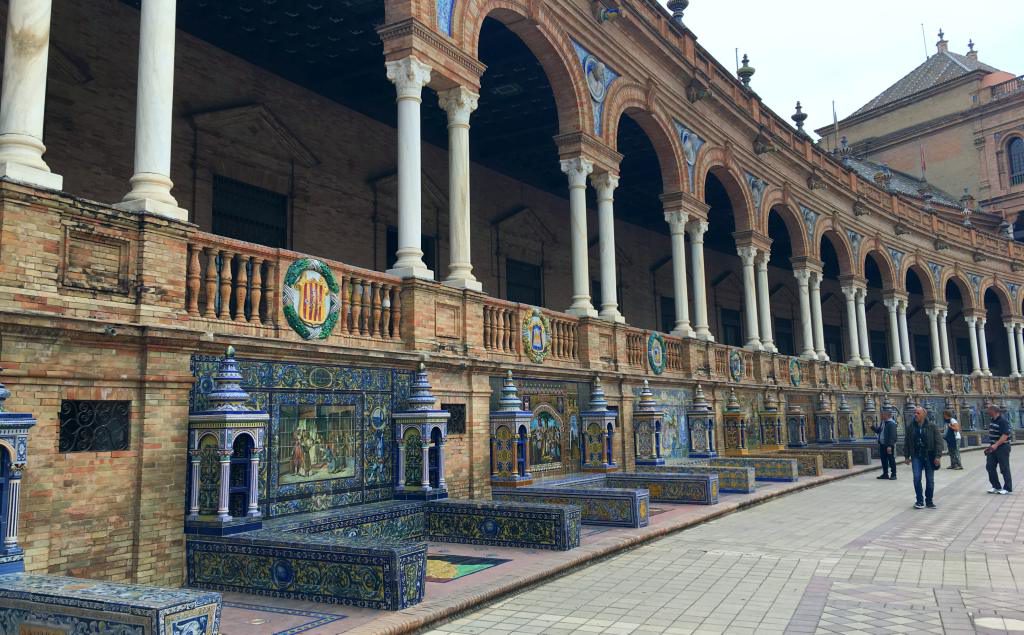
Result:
{"points": [[509, 395], [420, 396], [228, 394]]}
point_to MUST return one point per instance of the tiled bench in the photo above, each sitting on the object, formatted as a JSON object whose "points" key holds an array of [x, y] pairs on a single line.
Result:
{"points": [[693, 489], [807, 464], [54, 604], [601, 506], [766, 468], [737, 480], [500, 524], [863, 453], [831, 459]]}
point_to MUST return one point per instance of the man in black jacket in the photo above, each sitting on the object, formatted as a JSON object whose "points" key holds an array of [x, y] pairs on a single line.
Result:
{"points": [[998, 451], [923, 447], [887, 433]]}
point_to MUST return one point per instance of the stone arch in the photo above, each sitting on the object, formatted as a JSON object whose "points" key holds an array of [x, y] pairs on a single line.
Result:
{"points": [[963, 286], [890, 278], [631, 99], [534, 24], [199, 439], [777, 200], [245, 433], [920, 269], [827, 228], [718, 161], [1001, 292]]}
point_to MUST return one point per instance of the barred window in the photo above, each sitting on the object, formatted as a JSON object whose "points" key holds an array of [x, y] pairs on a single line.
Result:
{"points": [[94, 426], [1016, 153], [457, 420]]}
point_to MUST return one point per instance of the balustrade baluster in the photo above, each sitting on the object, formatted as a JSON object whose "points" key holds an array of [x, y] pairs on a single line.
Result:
{"points": [[364, 326], [357, 305], [256, 316], [209, 311], [488, 328], [514, 335], [192, 281], [375, 296], [385, 328], [224, 311], [575, 341], [241, 287], [345, 300], [396, 313]]}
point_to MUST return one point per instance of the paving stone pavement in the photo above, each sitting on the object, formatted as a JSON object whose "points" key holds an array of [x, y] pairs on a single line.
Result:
{"points": [[849, 557]]}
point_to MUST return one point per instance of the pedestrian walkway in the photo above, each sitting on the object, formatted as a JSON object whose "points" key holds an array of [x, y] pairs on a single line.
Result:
{"points": [[851, 557]]}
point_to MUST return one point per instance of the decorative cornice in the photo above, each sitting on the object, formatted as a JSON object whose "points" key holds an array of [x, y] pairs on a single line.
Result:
{"points": [[411, 27]]}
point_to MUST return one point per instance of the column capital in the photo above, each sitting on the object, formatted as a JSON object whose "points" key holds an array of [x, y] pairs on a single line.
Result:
{"points": [[409, 75], [891, 303], [677, 221], [577, 170], [854, 281], [803, 276], [938, 306], [697, 229], [805, 262], [894, 295], [747, 253], [459, 103], [746, 238], [850, 291], [605, 184], [763, 257], [931, 312]]}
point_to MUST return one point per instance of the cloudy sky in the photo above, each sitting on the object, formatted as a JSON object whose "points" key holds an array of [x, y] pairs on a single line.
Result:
{"points": [[819, 50]]}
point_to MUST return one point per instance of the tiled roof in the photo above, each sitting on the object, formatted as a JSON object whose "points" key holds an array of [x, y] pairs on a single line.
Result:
{"points": [[942, 67]]}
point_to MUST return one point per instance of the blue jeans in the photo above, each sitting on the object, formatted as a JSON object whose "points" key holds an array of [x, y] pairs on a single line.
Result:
{"points": [[928, 467]]}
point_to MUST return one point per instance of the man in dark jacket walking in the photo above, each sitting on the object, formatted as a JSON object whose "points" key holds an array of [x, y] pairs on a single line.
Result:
{"points": [[887, 433], [923, 447], [998, 451]]}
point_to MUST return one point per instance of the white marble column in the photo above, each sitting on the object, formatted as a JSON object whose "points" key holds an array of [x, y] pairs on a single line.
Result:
{"points": [[441, 484], [803, 279], [983, 347], [850, 293], [401, 465], [972, 338], [225, 484], [748, 254], [409, 76], [605, 184], [677, 227], [13, 508], [819, 326], [944, 340], [154, 114], [193, 490], [23, 94], [425, 476], [578, 170], [1012, 343], [933, 329], [459, 103], [700, 302], [894, 333], [1018, 332], [764, 302], [862, 327], [905, 335], [254, 486]]}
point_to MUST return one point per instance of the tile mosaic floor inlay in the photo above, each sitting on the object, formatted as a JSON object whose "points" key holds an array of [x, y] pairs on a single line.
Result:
{"points": [[445, 568], [273, 620]]}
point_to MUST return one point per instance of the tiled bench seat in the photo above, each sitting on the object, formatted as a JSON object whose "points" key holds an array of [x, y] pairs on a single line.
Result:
{"points": [[601, 506], [832, 459], [54, 604], [807, 464], [863, 453], [692, 489], [738, 480], [766, 468]]}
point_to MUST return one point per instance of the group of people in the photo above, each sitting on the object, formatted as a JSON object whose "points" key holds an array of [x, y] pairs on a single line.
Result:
{"points": [[922, 449]]}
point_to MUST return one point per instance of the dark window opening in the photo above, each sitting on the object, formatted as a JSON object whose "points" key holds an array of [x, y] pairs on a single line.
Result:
{"points": [[457, 420], [923, 352], [879, 349], [784, 336], [94, 426], [732, 331], [246, 212], [427, 243], [962, 359], [525, 282], [668, 313], [834, 342], [1016, 155]]}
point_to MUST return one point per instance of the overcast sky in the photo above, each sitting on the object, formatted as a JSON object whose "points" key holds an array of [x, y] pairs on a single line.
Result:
{"points": [[819, 50]]}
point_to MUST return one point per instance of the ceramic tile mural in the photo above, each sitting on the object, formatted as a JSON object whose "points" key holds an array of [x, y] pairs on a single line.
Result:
{"points": [[331, 433], [555, 435], [674, 441]]}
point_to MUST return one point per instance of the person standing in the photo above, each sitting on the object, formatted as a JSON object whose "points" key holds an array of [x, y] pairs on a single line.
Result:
{"points": [[887, 434], [922, 447], [952, 437], [998, 451]]}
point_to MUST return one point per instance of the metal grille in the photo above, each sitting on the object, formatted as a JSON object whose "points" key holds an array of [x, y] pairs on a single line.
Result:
{"points": [[249, 213], [457, 421], [94, 426]]}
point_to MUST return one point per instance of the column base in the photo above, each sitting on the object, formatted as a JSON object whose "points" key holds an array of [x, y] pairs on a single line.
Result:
{"points": [[939, 370], [1014, 375], [867, 362], [417, 271], [583, 311], [753, 345], [468, 284], [977, 373], [704, 335], [987, 373], [823, 357], [152, 206], [683, 330], [949, 371], [31, 176], [769, 347], [909, 367], [612, 315], [854, 361], [809, 355], [254, 514]]}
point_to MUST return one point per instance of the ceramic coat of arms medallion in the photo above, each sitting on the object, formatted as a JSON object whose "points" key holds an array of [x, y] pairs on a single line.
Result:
{"points": [[927, 383], [844, 376], [795, 374], [1004, 386], [886, 381], [536, 336], [968, 384], [311, 302], [735, 366], [656, 353]]}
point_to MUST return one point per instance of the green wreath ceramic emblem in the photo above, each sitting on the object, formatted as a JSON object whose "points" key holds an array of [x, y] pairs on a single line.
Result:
{"points": [[968, 384], [927, 383], [886, 381], [311, 302], [1004, 386], [795, 374], [656, 353], [536, 333], [844, 376], [735, 366]]}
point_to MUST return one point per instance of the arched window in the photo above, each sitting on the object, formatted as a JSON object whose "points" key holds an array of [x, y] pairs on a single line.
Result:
{"points": [[1016, 154]]}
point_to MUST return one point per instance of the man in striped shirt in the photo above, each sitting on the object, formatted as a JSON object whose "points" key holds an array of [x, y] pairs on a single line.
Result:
{"points": [[998, 451]]}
